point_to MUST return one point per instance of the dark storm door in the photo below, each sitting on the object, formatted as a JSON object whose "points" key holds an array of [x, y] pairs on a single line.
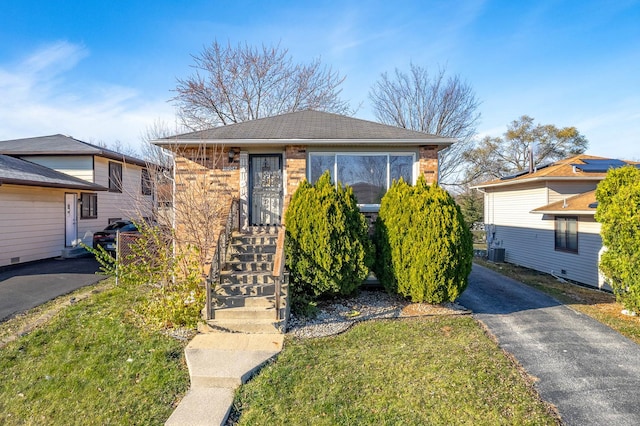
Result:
{"points": [[265, 182]]}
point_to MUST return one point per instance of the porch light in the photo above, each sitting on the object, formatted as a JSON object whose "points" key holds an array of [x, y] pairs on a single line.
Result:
{"points": [[232, 154]]}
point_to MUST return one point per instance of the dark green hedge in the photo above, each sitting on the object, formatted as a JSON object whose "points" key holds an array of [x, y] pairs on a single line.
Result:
{"points": [[327, 247], [618, 211], [424, 246]]}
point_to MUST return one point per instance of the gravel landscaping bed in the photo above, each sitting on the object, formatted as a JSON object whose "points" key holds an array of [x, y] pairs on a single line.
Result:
{"points": [[337, 315]]}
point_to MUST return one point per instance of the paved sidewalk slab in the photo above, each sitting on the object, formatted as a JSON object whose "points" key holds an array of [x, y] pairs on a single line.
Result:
{"points": [[219, 363], [203, 406]]}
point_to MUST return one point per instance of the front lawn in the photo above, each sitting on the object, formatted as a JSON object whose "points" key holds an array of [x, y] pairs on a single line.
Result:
{"points": [[92, 364], [441, 370]]}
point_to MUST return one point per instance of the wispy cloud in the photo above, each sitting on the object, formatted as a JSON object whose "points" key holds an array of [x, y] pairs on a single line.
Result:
{"points": [[32, 77], [54, 58], [39, 95]]}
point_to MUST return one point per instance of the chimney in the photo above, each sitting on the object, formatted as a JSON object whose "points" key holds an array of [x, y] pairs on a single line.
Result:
{"points": [[531, 158]]}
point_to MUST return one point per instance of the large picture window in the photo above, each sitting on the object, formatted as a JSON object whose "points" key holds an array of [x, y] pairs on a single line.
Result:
{"points": [[369, 174], [567, 234], [89, 208], [115, 177]]}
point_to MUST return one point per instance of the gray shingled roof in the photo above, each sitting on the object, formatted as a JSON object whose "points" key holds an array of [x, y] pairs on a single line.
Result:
{"points": [[60, 145], [312, 127], [21, 172]]}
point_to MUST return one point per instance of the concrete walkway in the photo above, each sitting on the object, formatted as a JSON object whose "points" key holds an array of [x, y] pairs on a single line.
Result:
{"points": [[26, 286], [218, 364], [588, 371]]}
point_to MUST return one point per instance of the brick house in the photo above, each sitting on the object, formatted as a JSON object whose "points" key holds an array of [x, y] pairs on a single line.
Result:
{"points": [[256, 165], [263, 161]]}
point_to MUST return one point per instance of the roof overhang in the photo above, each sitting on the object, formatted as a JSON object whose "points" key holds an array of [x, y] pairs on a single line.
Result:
{"points": [[538, 179], [28, 182], [440, 142], [99, 153], [564, 212]]}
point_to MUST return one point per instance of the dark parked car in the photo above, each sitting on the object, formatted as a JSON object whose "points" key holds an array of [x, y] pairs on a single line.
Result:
{"points": [[107, 237]]}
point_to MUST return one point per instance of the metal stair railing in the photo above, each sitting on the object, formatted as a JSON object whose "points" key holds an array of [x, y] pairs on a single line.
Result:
{"points": [[220, 255], [279, 274]]}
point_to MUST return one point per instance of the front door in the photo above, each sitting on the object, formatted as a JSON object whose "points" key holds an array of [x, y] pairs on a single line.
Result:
{"points": [[71, 216], [265, 183]]}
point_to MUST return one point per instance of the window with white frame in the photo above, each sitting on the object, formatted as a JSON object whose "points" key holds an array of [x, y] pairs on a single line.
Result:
{"points": [[369, 174]]}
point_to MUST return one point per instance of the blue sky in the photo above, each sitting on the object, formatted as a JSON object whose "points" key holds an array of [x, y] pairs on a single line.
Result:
{"points": [[104, 70]]}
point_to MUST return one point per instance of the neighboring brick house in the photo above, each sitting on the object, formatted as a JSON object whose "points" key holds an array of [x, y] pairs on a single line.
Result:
{"points": [[544, 219], [263, 161], [40, 211]]}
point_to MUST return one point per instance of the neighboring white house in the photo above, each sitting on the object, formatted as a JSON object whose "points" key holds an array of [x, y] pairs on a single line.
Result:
{"points": [[35, 212], [544, 219]]}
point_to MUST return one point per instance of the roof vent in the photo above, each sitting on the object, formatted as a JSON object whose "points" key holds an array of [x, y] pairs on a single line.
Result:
{"points": [[564, 204]]}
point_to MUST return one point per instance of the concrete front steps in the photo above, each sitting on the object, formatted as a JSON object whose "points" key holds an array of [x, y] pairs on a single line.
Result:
{"points": [[245, 332], [245, 299], [218, 363], [74, 252]]}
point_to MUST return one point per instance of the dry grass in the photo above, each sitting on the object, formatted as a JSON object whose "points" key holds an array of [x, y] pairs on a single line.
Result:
{"points": [[89, 362], [427, 370], [600, 305]]}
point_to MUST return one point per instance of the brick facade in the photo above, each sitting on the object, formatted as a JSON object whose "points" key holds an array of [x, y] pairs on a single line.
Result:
{"points": [[206, 182], [428, 158], [205, 172], [295, 166]]}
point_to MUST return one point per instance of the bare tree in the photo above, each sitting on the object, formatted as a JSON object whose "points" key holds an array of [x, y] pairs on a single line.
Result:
{"points": [[495, 157], [190, 205], [117, 146], [436, 104], [235, 84], [154, 154]]}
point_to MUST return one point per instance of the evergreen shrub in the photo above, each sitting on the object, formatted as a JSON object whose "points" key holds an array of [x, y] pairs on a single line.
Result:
{"points": [[328, 250], [424, 247], [618, 212]]}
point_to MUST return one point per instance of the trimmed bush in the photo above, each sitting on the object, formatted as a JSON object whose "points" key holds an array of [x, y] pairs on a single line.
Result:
{"points": [[327, 247], [618, 212], [424, 247]]}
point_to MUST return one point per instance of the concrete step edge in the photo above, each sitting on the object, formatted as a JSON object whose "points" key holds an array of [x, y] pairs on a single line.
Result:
{"points": [[203, 406]]}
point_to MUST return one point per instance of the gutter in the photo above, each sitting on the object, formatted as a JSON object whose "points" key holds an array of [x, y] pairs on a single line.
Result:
{"points": [[541, 179], [310, 142], [24, 182]]}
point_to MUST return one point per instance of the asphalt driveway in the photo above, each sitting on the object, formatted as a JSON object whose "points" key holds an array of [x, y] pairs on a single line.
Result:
{"points": [[23, 287], [588, 371]]}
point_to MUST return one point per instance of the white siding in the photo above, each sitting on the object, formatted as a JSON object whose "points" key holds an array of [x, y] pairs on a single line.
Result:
{"points": [[80, 166], [512, 207], [558, 191], [529, 238], [129, 204], [31, 223]]}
